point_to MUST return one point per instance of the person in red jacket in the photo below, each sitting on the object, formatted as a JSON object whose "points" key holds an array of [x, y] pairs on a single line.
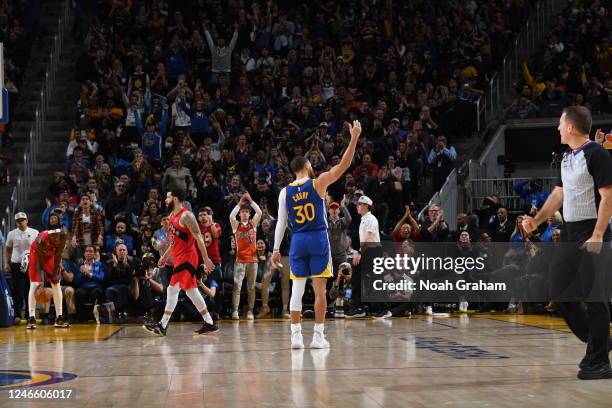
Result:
{"points": [[211, 231]]}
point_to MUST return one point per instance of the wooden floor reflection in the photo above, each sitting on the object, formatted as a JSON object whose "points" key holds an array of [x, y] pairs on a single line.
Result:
{"points": [[477, 361]]}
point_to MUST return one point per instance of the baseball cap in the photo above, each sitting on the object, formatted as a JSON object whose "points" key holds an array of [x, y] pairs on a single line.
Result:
{"points": [[360, 192], [323, 124], [365, 200], [396, 120], [148, 255], [21, 216], [334, 205]]}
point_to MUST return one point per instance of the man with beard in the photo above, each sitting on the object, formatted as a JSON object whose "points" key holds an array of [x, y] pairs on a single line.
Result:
{"points": [[184, 234], [302, 205]]}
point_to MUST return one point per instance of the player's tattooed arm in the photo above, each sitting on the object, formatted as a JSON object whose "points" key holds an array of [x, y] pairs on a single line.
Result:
{"points": [[189, 221]]}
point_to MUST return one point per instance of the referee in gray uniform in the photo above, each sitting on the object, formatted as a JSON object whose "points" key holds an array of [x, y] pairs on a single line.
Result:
{"points": [[585, 193]]}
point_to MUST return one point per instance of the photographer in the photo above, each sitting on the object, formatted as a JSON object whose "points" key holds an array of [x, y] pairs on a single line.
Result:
{"points": [[120, 270], [146, 287], [208, 287], [341, 291]]}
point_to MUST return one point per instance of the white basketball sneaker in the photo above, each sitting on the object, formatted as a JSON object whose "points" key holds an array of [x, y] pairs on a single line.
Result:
{"points": [[250, 315], [297, 340], [319, 341], [235, 315]]}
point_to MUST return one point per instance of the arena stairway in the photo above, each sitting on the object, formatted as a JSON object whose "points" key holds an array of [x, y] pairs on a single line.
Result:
{"points": [[60, 115]]}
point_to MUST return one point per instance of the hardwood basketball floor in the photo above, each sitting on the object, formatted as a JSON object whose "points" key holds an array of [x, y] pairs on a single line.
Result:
{"points": [[478, 361]]}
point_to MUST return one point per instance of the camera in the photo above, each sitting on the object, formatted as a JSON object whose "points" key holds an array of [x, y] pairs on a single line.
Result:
{"points": [[345, 269]]}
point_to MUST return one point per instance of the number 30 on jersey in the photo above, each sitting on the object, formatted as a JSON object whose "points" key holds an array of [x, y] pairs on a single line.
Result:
{"points": [[304, 213]]}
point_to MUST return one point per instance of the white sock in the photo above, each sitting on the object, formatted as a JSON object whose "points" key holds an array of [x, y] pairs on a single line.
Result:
{"points": [[207, 318], [296, 327], [165, 319], [318, 327], [57, 299], [172, 294], [32, 299]]}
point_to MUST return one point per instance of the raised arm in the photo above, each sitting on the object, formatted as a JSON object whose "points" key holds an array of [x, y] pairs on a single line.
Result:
{"points": [[255, 207], [234, 40], [346, 216], [404, 218], [209, 40], [139, 125], [233, 214], [329, 177]]}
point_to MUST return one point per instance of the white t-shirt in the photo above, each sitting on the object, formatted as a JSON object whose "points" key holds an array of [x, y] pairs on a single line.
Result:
{"points": [[20, 241], [181, 118], [369, 223]]}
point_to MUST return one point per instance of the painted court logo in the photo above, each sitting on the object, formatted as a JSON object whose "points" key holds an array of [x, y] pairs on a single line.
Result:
{"points": [[453, 349], [27, 378]]}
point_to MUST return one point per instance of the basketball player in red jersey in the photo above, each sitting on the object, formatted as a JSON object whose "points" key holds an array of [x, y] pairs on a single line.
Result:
{"points": [[184, 234], [44, 262]]}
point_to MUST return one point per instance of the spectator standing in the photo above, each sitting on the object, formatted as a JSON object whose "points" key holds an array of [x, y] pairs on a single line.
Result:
{"points": [[211, 231], [178, 177], [118, 206], [442, 159], [120, 236], [221, 55], [87, 226], [337, 231], [245, 231], [18, 242]]}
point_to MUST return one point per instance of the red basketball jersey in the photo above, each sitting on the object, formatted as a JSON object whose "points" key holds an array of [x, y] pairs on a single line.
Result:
{"points": [[246, 243], [184, 248]]}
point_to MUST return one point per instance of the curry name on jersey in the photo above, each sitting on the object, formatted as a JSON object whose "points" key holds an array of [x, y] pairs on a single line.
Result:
{"points": [[305, 208]]}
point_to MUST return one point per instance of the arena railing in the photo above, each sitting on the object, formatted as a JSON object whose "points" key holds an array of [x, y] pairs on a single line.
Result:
{"points": [[491, 105], [448, 200], [501, 86], [19, 195], [502, 187]]}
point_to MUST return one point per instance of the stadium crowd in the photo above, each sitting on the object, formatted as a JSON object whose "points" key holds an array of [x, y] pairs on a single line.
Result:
{"points": [[215, 99], [574, 66]]}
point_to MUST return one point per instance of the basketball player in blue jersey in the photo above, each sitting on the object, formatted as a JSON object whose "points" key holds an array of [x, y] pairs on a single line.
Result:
{"points": [[301, 205]]}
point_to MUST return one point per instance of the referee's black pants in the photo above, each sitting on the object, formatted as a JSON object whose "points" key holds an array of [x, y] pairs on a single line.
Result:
{"points": [[21, 287], [578, 285], [363, 278]]}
